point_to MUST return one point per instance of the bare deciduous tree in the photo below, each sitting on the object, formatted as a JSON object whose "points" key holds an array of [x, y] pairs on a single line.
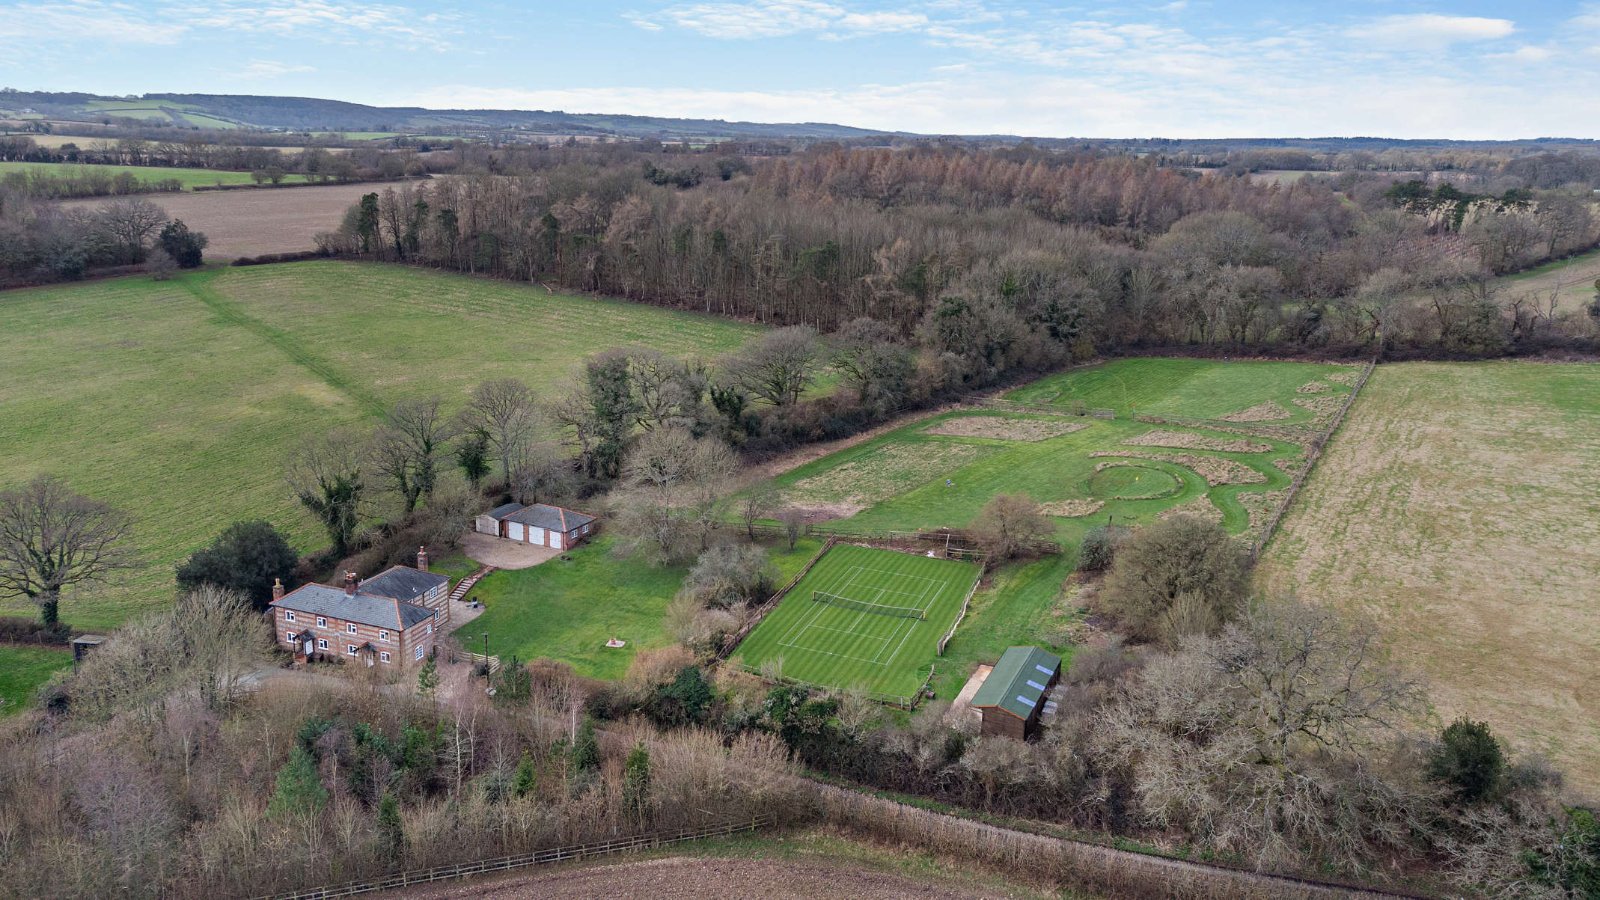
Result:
{"points": [[671, 491], [779, 365], [507, 411], [52, 538], [405, 449], [1009, 525], [130, 224], [326, 475]]}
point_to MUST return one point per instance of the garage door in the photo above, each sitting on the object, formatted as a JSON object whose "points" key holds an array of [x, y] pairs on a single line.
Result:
{"points": [[515, 531], [536, 535], [555, 539]]}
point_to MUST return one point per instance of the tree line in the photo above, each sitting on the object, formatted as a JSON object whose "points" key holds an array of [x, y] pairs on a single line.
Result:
{"points": [[991, 261], [42, 243]]}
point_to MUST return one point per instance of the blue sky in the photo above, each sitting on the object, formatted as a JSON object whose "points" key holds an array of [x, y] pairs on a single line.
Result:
{"points": [[1189, 68]]}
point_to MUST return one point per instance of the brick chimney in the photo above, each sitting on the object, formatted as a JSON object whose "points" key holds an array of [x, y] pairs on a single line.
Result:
{"points": [[350, 584], [422, 558], [277, 589]]}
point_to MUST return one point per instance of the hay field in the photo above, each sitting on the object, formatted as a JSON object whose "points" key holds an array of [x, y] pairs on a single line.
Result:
{"points": [[178, 401], [250, 223], [1460, 505]]}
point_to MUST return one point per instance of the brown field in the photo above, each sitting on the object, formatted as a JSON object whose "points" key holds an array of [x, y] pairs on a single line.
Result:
{"points": [[1459, 505], [1005, 428], [253, 222]]}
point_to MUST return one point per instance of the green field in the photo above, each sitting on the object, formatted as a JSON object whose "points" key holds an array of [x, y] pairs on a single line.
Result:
{"points": [[862, 646], [178, 401], [189, 178], [23, 670], [566, 609], [940, 471], [1197, 388]]}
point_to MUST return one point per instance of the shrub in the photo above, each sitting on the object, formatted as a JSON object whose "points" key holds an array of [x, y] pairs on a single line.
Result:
{"points": [[1099, 547], [728, 575], [1468, 760]]}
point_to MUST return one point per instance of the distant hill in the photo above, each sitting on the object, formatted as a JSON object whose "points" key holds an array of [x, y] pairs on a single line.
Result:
{"points": [[312, 114]]}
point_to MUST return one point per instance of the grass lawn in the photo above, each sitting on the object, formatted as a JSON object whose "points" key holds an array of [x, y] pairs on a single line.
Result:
{"points": [[1197, 388], [941, 471], [178, 401], [566, 610], [1459, 505], [855, 647], [187, 177], [23, 670]]}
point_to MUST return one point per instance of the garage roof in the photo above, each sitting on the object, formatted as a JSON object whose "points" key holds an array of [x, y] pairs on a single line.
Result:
{"points": [[1018, 682], [551, 518]]}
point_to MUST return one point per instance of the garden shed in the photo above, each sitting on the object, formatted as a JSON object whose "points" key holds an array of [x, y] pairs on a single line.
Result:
{"points": [[1012, 697]]}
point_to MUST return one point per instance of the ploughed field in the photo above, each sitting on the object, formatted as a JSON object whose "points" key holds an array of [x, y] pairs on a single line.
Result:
{"points": [[1459, 504], [256, 222], [1217, 439], [180, 401]]}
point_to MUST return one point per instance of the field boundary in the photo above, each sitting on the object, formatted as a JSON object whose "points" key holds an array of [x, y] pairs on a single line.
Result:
{"points": [[647, 841], [1313, 453], [966, 603], [908, 702], [732, 641]]}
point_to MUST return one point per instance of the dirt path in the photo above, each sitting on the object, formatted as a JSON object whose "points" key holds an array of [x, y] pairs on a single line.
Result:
{"points": [[685, 876]]}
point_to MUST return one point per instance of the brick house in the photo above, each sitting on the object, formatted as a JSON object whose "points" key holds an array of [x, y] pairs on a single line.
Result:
{"points": [[540, 524], [392, 618]]}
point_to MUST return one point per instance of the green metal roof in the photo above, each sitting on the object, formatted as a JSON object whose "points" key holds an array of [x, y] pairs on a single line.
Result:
{"points": [[1018, 681]]}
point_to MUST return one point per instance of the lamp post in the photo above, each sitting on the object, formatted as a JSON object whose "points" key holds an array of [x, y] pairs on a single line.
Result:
{"points": [[486, 672]]}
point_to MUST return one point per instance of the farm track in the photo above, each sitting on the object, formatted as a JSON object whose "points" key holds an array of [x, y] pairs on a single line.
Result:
{"points": [[202, 289]]}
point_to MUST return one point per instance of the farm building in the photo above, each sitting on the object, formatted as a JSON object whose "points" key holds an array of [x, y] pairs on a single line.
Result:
{"points": [[540, 524], [389, 619], [1012, 697]]}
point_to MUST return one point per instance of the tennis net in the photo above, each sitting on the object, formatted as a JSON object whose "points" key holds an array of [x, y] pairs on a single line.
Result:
{"points": [[904, 612]]}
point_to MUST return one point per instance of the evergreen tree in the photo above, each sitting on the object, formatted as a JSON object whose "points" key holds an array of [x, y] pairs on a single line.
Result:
{"points": [[1468, 759], [585, 755], [636, 782], [298, 788], [391, 832], [248, 558], [428, 678], [526, 779]]}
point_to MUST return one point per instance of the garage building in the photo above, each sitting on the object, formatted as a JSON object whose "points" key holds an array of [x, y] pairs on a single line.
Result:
{"points": [[538, 524]]}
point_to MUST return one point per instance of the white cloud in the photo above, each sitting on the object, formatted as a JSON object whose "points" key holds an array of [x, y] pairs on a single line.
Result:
{"points": [[329, 19], [1527, 53], [266, 68], [85, 21], [1431, 30], [777, 18]]}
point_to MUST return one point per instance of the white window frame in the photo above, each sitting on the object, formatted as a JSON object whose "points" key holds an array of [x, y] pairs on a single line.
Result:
{"points": [[322, 621], [383, 635], [430, 628], [288, 637], [419, 651], [350, 628], [288, 615], [322, 643], [351, 649], [384, 656]]}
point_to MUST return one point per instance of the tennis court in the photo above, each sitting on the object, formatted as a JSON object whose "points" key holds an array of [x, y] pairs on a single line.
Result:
{"points": [[863, 619]]}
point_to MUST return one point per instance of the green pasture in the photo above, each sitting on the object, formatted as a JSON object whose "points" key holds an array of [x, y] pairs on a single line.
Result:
{"points": [[189, 178], [567, 608], [1196, 388], [867, 649], [23, 670], [179, 401]]}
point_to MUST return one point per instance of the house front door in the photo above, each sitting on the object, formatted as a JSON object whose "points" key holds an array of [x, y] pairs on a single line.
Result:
{"points": [[308, 649]]}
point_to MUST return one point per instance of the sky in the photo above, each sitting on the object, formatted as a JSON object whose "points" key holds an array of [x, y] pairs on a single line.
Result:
{"points": [[1185, 68]]}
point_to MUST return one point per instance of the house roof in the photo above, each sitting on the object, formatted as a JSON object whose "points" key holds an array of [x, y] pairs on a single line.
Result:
{"points": [[402, 583], [365, 606], [1018, 681], [551, 518]]}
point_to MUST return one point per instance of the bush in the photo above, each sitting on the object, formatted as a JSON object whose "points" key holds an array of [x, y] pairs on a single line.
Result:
{"points": [[20, 630], [183, 245], [1099, 547], [728, 575], [1468, 760], [1185, 559]]}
